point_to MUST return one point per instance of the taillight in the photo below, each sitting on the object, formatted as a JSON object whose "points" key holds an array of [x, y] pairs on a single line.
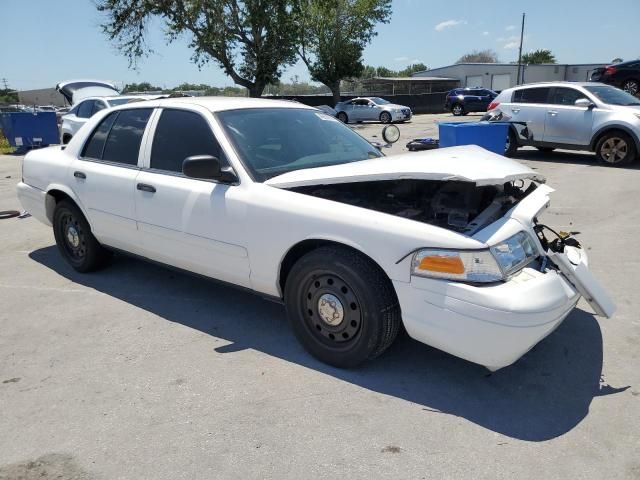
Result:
{"points": [[610, 70], [493, 105]]}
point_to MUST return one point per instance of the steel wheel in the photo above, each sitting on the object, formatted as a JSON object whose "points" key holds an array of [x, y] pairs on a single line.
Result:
{"points": [[457, 110], [75, 242], [385, 117], [614, 150], [631, 86], [333, 310]]}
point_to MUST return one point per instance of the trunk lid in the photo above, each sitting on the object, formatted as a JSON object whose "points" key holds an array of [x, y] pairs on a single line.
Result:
{"points": [[468, 163], [75, 91]]}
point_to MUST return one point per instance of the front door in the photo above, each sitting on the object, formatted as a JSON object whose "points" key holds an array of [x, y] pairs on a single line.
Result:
{"points": [[191, 224], [567, 123], [104, 175]]}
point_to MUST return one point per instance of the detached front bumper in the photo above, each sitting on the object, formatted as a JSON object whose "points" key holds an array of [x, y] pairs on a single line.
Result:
{"points": [[490, 325]]}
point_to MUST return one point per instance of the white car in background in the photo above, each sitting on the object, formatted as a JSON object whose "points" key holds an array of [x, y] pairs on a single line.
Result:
{"points": [[364, 109], [87, 98], [284, 200], [573, 115]]}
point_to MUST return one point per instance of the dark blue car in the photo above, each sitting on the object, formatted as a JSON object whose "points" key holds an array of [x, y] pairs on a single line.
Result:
{"points": [[461, 101]]}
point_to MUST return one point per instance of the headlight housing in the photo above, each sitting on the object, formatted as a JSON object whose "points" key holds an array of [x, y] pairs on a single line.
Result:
{"points": [[476, 266]]}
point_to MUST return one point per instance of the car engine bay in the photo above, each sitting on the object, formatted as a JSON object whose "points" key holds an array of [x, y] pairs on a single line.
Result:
{"points": [[459, 206]]}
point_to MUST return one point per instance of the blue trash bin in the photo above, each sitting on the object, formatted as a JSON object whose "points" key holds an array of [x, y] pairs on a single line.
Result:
{"points": [[26, 130], [491, 136]]}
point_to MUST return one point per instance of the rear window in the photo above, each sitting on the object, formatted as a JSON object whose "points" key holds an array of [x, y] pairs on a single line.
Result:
{"points": [[85, 109], [125, 136], [531, 95]]}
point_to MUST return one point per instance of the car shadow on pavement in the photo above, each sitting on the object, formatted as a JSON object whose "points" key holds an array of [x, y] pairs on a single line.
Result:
{"points": [[574, 158], [542, 396]]}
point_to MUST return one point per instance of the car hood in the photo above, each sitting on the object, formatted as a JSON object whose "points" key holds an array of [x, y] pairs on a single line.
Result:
{"points": [[75, 91], [465, 164]]}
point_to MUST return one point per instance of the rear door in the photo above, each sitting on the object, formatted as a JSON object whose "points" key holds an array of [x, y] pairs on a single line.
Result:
{"points": [[196, 225], [565, 122], [104, 176], [530, 105]]}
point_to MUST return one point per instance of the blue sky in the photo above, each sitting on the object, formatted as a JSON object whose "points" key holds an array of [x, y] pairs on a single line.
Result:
{"points": [[45, 41]]}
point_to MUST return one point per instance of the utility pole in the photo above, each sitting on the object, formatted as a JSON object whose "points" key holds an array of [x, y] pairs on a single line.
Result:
{"points": [[5, 83], [520, 51]]}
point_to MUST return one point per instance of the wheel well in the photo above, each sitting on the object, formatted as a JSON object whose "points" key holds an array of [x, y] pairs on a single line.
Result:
{"points": [[66, 138], [53, 197], [604, 132], [299, 250]]}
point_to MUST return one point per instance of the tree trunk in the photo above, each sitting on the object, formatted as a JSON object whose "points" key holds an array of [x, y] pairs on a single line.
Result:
{"points": [[256, 90], [335, 91]]}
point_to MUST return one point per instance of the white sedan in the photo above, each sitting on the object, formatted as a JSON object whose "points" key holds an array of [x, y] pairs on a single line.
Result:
{"points": [[286, 201]]}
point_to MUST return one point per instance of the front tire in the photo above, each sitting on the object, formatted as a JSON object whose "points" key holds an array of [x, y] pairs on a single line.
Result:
{"points": [[75, 241], [341, 306], [616, 148], [343, 117], [385, 117], [632, 87]]}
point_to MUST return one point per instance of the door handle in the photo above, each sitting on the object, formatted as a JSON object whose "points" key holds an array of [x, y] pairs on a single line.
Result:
{"points": [[146, 188], [515, 110], [78, 174], [553, 113]]}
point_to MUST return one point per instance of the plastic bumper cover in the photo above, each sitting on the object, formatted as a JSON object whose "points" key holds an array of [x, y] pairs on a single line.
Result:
{"points": [[33, 200], [490, 325]]}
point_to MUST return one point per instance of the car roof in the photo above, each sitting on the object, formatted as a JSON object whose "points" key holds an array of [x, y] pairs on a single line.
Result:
{"points": [[555, 84], [219, 104]]}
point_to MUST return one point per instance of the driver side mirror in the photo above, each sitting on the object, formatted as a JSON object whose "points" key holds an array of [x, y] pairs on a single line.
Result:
{"points": [[584, 103], [208, 167]]}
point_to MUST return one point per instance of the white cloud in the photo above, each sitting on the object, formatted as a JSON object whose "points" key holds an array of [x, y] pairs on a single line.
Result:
{"points": [[401, 59], [485, 33], [511, 42], [511, 45], [448, 24], [510, 28]]}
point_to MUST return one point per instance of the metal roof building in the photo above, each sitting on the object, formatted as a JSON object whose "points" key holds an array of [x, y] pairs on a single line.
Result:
{"points": [[401, 85], [499, 76]]}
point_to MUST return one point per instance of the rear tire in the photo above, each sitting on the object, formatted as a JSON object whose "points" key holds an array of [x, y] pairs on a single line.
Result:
{"points": [[66, 138], [341, 306], [632, 87], [343, 117], [511, 145], [616, 148], [457, 110], [75, 241]]}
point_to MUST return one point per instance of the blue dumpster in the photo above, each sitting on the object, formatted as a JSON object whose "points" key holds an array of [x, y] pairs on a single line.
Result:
{"points": [[491, 136], [25, 130]]}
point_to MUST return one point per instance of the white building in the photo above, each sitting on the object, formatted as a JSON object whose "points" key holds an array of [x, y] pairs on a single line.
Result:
{"points": [[499, 76]]}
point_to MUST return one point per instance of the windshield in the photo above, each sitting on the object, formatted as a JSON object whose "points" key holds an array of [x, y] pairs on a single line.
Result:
{"points": [[379, 101], [273, 141], [612, 95]]}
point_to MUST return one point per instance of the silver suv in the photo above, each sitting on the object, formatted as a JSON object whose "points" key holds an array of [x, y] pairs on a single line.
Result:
{"points": [[571, 115]]}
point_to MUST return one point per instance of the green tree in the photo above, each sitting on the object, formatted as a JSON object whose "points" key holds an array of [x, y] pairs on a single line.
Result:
{"points": [[413, 68], [251, 40], [140, 87], [332, 35], [538, 56], [479, 56]]}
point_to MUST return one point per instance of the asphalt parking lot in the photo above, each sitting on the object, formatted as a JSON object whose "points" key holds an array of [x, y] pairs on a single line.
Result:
{"points": [[141, 372]]}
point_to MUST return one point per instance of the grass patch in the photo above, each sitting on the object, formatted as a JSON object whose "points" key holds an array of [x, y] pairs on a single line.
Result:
{"points": [[5, 148]]}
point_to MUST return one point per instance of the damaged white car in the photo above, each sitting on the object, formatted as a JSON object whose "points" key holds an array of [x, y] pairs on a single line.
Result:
{"points": [[292, 204]]}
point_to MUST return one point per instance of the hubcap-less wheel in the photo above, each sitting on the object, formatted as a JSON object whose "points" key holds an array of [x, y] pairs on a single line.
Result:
{"points": [[74, 238], [343, 117], [614, 150], [631, 86], [457, 110], [385, 117], [333, 311]]}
